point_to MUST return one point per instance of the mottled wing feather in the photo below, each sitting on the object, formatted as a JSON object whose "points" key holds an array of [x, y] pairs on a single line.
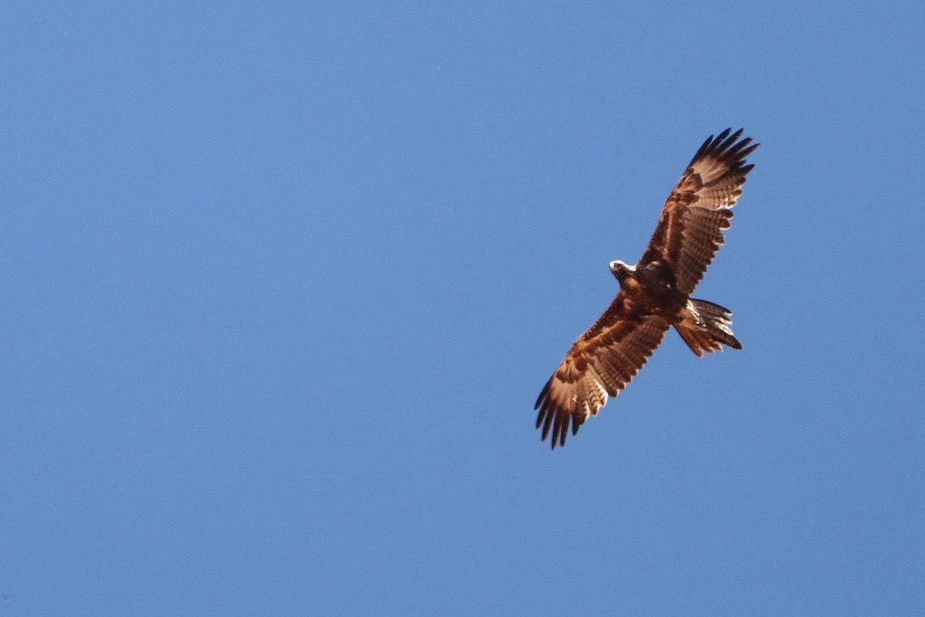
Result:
{"points": [[690, 227], [600, 364]]}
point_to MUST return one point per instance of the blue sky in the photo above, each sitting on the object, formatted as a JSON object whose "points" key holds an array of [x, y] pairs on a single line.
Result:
{"points": [[281, 284]]}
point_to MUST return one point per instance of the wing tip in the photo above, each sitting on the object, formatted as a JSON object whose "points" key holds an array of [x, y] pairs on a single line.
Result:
{"points": [[542, 396], [726, 146], [554, 421]]}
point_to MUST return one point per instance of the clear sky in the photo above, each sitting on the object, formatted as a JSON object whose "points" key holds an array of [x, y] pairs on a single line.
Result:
{"points": [[281, 283]]}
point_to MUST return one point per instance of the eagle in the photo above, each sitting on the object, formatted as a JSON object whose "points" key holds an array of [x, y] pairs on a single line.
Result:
{"points": [[655, 294]]}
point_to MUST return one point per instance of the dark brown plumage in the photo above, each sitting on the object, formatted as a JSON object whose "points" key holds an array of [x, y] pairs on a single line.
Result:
{"points": [[655, 293]]}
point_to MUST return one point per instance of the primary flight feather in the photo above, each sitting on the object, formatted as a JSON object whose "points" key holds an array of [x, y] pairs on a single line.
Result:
{"points": [[655, 293]]}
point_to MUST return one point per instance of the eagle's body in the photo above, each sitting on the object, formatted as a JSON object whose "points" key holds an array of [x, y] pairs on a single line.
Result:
{"points": [[655, 293]]}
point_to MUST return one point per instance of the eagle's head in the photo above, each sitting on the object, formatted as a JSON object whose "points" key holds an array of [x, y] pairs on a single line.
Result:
{"points": [[622, 271]]}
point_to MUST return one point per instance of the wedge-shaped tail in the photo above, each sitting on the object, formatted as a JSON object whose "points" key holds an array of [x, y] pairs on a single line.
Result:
{"points": [[705, 327]]}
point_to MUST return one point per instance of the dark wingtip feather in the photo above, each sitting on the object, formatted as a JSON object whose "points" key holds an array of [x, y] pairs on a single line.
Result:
{"points": [[539, 399], [700, 151], [555, 426], [723, 135], [547, 421], [726, 145]]}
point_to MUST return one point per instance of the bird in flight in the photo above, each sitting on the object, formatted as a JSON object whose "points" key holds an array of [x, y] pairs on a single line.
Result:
{"points": [[655, 293]]}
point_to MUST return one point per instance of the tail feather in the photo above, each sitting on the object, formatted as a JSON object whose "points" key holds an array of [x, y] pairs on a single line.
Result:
{"points": [[705, 327]]}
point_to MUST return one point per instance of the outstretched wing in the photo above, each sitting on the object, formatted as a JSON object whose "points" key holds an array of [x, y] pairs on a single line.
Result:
{"points": [[690, 228], [600, 364]]}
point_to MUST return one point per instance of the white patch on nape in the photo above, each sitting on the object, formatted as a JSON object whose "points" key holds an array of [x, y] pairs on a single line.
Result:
{"points": [[617, 264]]}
